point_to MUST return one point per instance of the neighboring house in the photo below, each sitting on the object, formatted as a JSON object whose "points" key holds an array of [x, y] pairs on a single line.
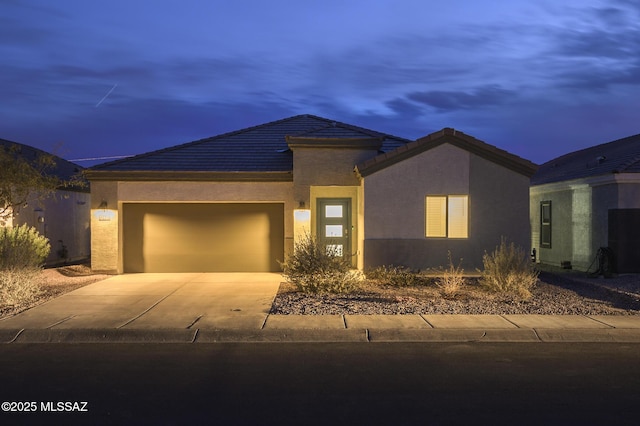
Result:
{"points": [[239, 201], [586, 200], [63, 216]]}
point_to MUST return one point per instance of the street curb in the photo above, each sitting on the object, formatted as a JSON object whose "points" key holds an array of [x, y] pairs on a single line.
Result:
{"points": [[619, 335], [105, 336], [9, 335], [292, 335], [453, 335], [204, 336]]}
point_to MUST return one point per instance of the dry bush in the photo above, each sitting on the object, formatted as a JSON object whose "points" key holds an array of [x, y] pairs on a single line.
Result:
{"points": [[396, 276], [508, 269], [452, 279], [19, 287], [314, 269], [22, 247]]}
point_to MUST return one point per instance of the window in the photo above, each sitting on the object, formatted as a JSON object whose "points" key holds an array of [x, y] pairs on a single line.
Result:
{"points": [[447, 216], [545, 224]]}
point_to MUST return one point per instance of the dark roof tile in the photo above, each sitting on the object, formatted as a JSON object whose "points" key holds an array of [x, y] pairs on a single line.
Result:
{"points": [[261, 148], [619, 156]]}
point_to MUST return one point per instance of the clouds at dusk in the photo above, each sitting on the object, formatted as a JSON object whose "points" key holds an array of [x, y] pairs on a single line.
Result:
{"points": [[536, 78]]}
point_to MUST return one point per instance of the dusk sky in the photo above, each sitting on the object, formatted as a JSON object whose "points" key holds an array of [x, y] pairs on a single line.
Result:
{"points": [[538, 78]]}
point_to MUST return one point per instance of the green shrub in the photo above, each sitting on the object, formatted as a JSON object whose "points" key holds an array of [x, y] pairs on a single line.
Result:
{"points": [[312, 268], [451, 280], [22, 247], [508, 269], [397, 276], [19, 287]]}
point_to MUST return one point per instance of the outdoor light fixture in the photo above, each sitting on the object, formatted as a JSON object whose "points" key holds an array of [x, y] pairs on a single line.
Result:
{"points": [[301, 204], [102, 213]]}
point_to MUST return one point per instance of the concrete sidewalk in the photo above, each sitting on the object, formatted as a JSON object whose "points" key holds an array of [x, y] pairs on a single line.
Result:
{"points": [[207, 307]]}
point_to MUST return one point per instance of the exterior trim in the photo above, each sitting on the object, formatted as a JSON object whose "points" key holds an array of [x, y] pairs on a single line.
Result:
{"points": [[147, 176], [591, 181], [453, 137]]}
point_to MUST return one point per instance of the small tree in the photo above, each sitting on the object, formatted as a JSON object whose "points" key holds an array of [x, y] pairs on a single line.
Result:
{"points": [[21, 177]]}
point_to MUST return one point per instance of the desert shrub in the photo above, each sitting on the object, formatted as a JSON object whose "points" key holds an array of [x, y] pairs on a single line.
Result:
{"points": [[19, 287], [22, 247], [22, 253], [312, 268], [451, 280], [508, 269], [397, 276]]}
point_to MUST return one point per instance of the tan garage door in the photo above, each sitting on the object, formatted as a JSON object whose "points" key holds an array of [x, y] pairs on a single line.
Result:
{"points": [[196, 237]]}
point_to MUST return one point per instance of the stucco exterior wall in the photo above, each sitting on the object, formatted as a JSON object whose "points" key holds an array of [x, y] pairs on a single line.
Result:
{"points": [[580, 214], [325, 167], [107, 246], [394, 200], [565, 231], [63, 218]]}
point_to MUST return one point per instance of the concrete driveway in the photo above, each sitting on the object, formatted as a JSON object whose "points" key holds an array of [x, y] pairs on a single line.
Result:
{"points": [[159, 301]]}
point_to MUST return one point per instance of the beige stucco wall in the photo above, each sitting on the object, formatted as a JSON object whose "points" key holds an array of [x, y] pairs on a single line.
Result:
{"points": [[394, 200], [325, 167], [62, 216], [107, 236]]}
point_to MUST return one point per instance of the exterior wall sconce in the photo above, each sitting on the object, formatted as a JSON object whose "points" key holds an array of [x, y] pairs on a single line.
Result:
{"points": [[103, 213], [301, 222]]}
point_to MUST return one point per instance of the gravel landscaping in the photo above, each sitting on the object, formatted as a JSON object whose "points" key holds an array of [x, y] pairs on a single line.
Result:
{"points": [[55, 282], [555, 293]]}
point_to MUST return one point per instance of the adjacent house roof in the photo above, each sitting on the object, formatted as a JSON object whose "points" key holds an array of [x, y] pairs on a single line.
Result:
{"points": [[63, 169], [453, 137], [261, 149], [619, 156]]}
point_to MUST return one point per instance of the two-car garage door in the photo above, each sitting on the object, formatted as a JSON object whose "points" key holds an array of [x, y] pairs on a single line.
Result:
{"points": [[203, 237]]}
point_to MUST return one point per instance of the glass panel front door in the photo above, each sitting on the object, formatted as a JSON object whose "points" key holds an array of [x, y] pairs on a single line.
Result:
{"points": [[334, 225]]}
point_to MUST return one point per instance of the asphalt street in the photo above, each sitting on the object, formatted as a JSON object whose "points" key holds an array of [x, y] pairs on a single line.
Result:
{"points": [[321, 383]]}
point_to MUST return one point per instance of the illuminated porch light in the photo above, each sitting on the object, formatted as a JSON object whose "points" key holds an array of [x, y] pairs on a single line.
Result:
{"points": [[301, 224], [103, 214]]}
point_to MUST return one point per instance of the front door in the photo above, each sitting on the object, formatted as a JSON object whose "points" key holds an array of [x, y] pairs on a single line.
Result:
{"points": [[334, 225]]}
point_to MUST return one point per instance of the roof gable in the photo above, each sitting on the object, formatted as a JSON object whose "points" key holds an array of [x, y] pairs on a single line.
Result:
{"points": [[453, 137], [262, 148], [619, 156]]}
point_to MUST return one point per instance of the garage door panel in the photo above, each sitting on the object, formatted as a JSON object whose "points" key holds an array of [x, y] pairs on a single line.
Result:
{"points": [[203, 237]]}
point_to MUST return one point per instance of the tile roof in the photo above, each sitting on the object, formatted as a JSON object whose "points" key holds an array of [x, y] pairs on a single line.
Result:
{"points": [[454, 137], [63, 169], [619, 156], [261, 148]]}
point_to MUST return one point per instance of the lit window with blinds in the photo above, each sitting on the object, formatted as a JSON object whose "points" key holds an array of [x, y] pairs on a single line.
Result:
{"points": [[447, 216]]}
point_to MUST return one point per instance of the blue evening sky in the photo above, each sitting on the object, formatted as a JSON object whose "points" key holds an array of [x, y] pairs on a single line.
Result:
{"points": [[538, 78]]}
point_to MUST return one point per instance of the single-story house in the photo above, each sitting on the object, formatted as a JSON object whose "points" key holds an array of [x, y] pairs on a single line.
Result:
{"points": [[63, 216], [587, 200], [240, 200]]}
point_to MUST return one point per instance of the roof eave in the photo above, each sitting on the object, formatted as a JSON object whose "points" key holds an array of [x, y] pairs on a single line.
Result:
{"points": [[198, 176], [453, 137]]}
